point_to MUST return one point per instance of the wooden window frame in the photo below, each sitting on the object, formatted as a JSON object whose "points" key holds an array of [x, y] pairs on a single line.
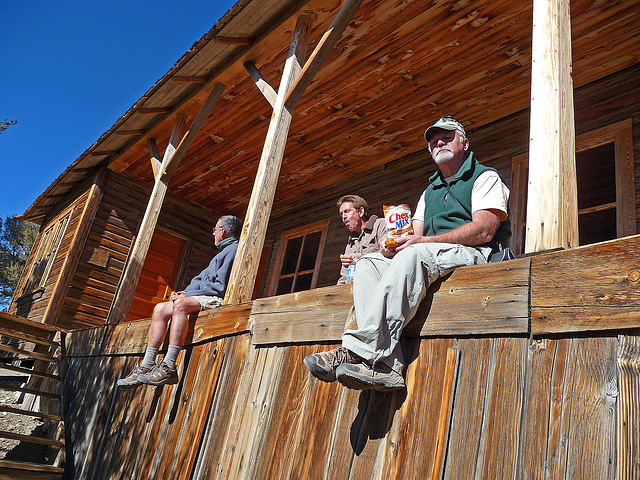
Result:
{"points": [[320, 226], [621, 135], [48, 246]]}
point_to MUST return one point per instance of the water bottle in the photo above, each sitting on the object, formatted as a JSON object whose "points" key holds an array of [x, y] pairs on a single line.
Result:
{"points": [[351, 271]]}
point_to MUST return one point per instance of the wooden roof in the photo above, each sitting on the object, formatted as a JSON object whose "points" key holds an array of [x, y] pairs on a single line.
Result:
{"points": [[398, 66]]}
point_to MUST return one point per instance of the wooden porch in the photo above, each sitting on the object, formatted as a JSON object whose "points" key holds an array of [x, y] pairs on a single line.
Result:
{"points": [[532, 372]]}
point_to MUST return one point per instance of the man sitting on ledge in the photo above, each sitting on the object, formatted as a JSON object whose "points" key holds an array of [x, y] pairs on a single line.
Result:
{"points": [[461, 218], [365, 233], [205, 291]]}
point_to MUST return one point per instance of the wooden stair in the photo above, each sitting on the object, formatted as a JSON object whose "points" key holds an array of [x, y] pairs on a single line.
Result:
{"points": [[32, 350]]}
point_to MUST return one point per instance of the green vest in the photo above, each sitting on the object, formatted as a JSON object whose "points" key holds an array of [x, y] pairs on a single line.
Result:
{"points": [[443, 213]]}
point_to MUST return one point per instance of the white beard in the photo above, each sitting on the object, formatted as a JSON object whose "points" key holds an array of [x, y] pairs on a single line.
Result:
{"points": [[443, 156]]}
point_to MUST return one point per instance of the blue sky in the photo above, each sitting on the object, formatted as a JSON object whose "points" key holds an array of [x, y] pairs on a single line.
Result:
{"points": [[70, 69]]}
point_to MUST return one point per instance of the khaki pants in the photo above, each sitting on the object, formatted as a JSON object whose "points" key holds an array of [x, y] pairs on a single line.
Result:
{"points": [[387, 293]]}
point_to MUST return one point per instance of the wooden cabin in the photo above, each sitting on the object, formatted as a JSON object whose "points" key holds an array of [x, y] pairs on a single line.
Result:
{"points": [[523, 369]]}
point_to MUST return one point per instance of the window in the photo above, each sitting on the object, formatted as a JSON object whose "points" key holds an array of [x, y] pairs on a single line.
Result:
{"points": [[46, 253], [606, 186], [298, 258]]}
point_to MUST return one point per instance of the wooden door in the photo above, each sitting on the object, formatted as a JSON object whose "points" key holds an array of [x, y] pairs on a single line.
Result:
{"points": [[158, 274]]}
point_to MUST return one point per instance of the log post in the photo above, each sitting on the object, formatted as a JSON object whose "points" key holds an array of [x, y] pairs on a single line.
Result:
{"points": [[552, 211], [175, 151], [294, 81]]}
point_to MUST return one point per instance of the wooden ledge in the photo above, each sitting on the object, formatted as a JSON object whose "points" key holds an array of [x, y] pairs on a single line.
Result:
{"points": [[131, 337], [596, 287], [479, 300], [583, 289]]}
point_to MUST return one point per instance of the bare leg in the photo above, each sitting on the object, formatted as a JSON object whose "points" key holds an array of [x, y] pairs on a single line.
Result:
{"points": [[182, 308], [162, 313]]}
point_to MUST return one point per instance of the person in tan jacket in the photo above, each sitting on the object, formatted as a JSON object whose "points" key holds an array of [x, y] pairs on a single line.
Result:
{"points": [[365, 232]]}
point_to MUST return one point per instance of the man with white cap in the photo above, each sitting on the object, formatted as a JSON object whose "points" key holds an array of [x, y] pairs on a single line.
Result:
{"points": [[461, 219]]}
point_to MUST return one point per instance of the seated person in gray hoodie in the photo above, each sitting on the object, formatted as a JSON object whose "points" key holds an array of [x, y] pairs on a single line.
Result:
{"points": [[205, 291]]}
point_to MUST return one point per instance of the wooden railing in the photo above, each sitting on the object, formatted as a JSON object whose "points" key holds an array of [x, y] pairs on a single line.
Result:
{"points": [[31, 350]]}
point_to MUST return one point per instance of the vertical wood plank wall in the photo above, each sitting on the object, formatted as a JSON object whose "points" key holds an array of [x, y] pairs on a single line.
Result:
{"points": [[543, 408]]}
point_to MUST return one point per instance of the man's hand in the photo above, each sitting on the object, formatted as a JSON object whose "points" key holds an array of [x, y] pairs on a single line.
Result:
{"points": [[346, 260], [386, 250], [176, 295], [404, 242]]}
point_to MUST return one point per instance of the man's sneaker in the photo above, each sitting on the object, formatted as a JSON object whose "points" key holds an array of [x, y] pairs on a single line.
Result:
{"points": [[160, 375], [131, 380], [323, 365], [361, 376]]}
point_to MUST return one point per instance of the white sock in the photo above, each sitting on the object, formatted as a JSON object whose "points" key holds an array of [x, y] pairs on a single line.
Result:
{"points": [[171, 356], [149, 359]]}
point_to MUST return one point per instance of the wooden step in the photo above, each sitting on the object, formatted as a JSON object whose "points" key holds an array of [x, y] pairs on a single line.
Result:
{"points": [[28, 353], [31, 439], [28, 371], [7, 332], [32, 391], [28, 323], [20, 411], [14, 470]]}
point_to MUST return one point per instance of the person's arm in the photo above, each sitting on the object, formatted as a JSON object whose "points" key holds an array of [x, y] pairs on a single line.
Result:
{"points": [[479, 231], [418, 227]]}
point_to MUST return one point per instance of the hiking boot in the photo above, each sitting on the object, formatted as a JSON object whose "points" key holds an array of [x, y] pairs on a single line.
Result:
{"points": [[362, 376], [323, 365], [131, 380], [160, 375]]}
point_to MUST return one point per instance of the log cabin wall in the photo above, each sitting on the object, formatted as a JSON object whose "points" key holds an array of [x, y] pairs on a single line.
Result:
{"points": [[613, 99]]}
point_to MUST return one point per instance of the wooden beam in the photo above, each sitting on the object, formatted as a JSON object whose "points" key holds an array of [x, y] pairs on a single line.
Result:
{"points": [[262, 84], [131, 132], [196, 125], [255, 226], [233, 41], [192, 79], [156, 163], [254, 229], [152, 110], [625, 181], [27, 326], [126, 288], [21, 467], [101, 153], [173, 154], [320, 53], [552, 213]]}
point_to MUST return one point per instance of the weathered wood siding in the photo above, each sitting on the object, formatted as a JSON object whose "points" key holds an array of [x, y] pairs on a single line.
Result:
{"points": [[480, 403], [601, 103], [521, 409], [34, 306]]}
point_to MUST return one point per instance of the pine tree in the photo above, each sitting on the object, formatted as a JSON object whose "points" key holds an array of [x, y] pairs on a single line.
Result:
{"points": [[16, 239]]}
